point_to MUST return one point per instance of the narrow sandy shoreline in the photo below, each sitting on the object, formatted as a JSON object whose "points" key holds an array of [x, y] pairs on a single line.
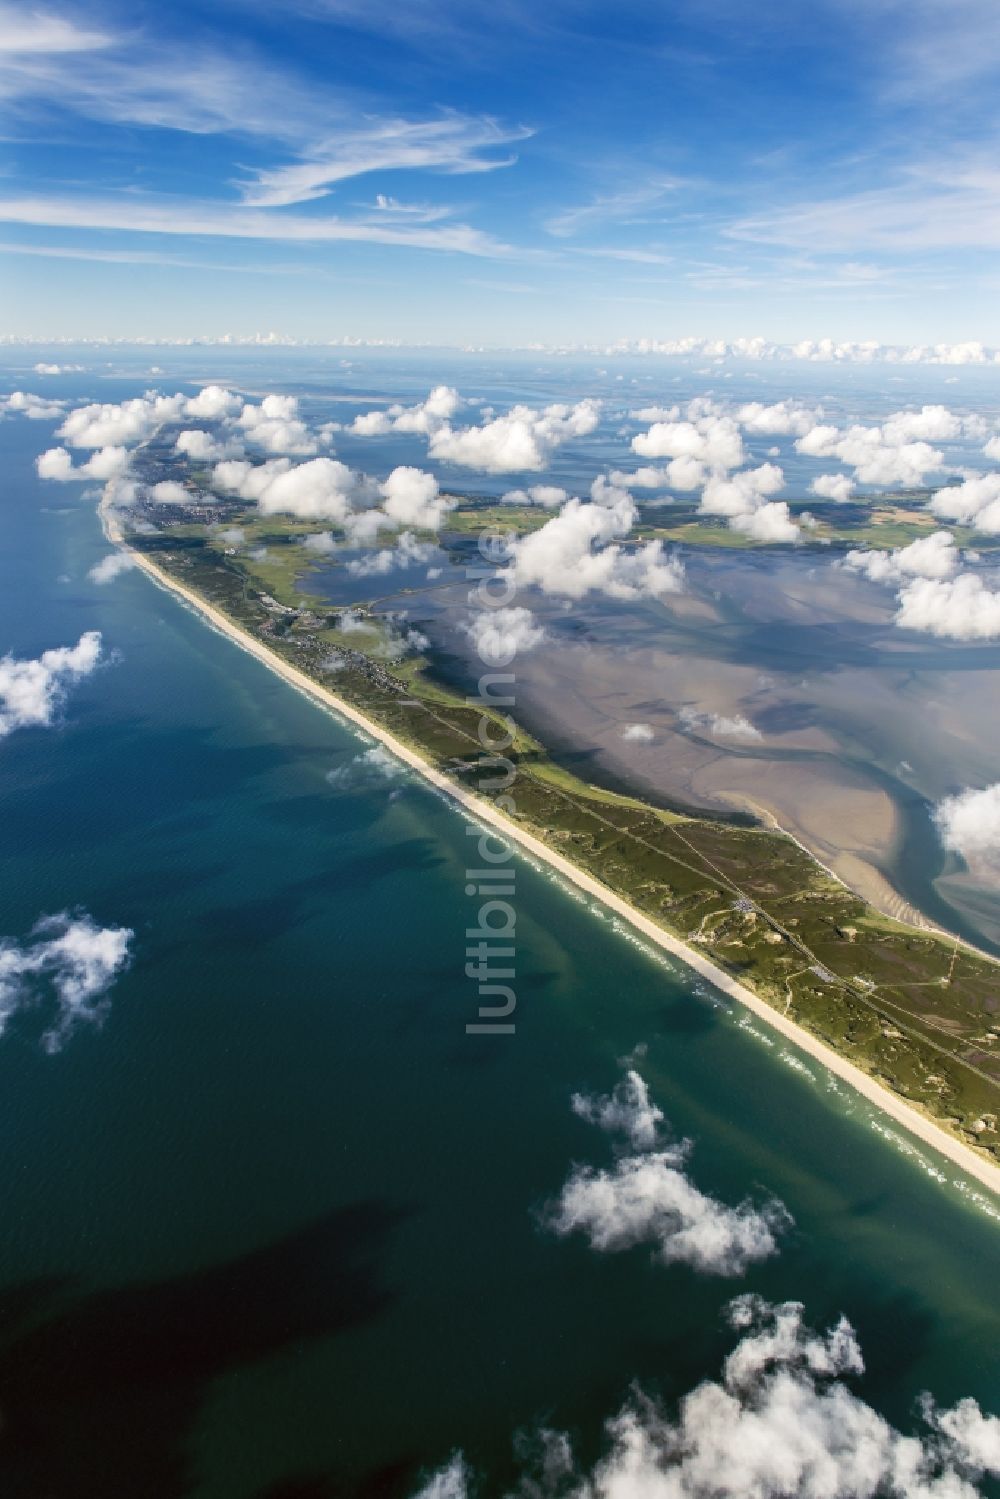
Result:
{"points": [[920, 1126], [865, 880]]}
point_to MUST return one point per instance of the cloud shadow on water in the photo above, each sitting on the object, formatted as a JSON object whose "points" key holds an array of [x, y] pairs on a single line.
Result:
{"points": [[261, 919], [98, 1396], [393, 1480]]}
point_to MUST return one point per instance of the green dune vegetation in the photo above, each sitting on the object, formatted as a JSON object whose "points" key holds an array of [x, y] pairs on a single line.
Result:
{"points": [[914, 1009]]}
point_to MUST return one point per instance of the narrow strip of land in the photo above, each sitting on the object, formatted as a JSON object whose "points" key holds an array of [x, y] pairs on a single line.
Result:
{"points": [[902, 1113]]}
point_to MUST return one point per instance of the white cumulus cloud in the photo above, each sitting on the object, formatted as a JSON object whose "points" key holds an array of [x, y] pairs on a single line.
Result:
{"points": [[628, 1110], [742, 499], [710, 440], [69, 960], [111, 566], [975, 502], [724, 727], [105, 463], [408, 552], [169, 492], [782, 419], [647, 1197], [898, 452], [411, 497], [373, 764], [204, 447], [782, 1422], [111, 429], [650, 1199], [35, 408], [501, 634], [32, 692], [741, 493], [969, 824], [961, 608], [929, 424], [771, 522], [102, 425], [320, 489], [450, 1482], [212, 403], [111, 426], [656, 413], [839, 487], [549, 496], [521, 441], [683, 474], [428, 416], [327, 490], [934, 556], [275, 426], [574, 553], [638, 733], [371, 424]]}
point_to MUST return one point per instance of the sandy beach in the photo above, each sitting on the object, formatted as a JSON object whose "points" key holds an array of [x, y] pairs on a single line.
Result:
{"points": [[920, 1126]]}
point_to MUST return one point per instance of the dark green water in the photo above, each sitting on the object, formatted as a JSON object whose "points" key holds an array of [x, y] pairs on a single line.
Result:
{"points": [[270, 1231]]}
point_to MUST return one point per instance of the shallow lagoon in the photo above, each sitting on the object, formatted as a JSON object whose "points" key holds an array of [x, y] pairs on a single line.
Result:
{"points": [[862, 727]]}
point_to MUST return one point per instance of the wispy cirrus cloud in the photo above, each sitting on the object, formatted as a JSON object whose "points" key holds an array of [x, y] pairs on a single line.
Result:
{"points": [[452, 144], [138, 215], [607, 208], [416, 213], [239, 123], [137, 79], [937, 205], [610, 252], [931, 49], [26, 34], [311, 137], [165, 258]]}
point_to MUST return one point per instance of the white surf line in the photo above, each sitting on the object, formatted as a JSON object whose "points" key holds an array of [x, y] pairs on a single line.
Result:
{"points": [[917, 1124]]}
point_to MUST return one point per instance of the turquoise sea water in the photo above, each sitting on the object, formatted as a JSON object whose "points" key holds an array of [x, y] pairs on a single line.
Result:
{"points": [[272, 1230]]}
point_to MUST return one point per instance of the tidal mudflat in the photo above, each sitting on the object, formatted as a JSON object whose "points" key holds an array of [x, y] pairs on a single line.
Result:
{"points": [[778, 686]]}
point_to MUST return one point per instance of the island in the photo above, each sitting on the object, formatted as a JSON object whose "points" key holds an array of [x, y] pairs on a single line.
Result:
{"points": [[907, 1014]]}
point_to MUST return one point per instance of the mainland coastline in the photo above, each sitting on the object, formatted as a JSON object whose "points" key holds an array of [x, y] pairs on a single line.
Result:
{"points": [[921, 1126]]}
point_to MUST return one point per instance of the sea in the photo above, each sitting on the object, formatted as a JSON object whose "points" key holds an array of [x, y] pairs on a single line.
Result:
{"points": [[278, 1228]]}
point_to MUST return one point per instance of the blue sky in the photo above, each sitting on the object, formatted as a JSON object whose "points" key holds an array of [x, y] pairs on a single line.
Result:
{"points": [[510, 172]]}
